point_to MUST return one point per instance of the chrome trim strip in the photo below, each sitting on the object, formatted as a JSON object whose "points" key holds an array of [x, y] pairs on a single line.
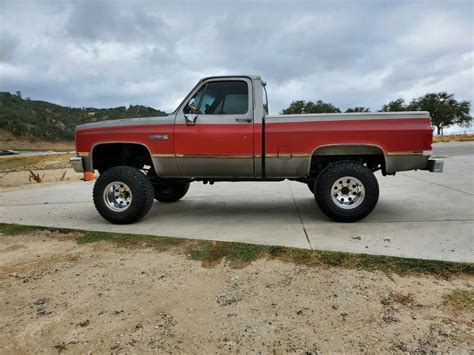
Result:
{"points": [[353, 116], [163, 156], [404, 153], [159, 120], [295, 155], [82, 154], [199, 156]]}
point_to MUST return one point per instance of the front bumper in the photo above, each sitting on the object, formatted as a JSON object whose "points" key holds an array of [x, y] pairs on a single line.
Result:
{"points": [[77, 164], [435, 165]]}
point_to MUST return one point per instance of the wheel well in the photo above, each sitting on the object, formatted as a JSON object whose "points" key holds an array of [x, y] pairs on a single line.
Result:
{"points": [[371, 156], [107, 155]]}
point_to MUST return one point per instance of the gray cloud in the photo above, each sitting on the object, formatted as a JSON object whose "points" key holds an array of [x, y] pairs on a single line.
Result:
{"points": [[108, 20], [364, 53]]}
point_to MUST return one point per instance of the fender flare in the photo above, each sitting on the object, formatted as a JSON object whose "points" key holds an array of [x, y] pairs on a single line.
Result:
{"points": [[348, 149], [91, 152]]}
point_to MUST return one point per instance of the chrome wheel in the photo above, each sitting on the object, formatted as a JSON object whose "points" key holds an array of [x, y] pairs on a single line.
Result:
{"points": [[347, 192], [117, 196]]}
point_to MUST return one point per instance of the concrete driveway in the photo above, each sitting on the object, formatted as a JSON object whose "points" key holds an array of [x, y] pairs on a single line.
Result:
{"points": [[419, 214]]}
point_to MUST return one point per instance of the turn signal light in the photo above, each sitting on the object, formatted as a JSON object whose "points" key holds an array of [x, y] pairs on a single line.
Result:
{"points": [[89, 175]]}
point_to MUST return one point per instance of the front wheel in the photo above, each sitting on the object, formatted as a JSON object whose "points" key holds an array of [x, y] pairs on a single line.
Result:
{"points": [[123, 194], [346, 191]]}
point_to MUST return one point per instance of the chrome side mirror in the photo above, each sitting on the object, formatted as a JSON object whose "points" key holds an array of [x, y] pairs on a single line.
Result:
{"points": [[190, 119]]}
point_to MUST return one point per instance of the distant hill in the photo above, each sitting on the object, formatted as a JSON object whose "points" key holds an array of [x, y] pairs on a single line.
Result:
{"points": [[46, 121]]}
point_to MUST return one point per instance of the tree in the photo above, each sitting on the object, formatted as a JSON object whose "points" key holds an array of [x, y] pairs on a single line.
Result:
{"points": [[18, 94], [358, 109], [396, 105], [300, 106], [444, 110]]}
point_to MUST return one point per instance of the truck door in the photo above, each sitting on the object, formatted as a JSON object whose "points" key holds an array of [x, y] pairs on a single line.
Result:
{"points": [[219, 143]]}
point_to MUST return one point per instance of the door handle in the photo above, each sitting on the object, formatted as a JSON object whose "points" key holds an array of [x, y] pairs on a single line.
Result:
{"points": [[244, 120]]}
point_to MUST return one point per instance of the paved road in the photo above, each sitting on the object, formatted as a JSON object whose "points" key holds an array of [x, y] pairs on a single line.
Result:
{"points": [[453, 149], [419, 214]]}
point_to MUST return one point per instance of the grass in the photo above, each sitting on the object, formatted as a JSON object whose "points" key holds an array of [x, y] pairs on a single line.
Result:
{"points": [[460, 300], [211, 253], [16, 229], [131, 240]]}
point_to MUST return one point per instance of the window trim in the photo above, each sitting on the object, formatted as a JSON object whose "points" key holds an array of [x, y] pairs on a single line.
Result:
{"points": [[225, 81], [200, 84]]}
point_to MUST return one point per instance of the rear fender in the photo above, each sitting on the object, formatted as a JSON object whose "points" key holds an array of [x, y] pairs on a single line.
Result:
{"points": [[348, 149]]}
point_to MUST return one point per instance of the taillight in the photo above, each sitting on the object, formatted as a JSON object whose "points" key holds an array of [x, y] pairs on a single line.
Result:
{"points": [[428, 141]]}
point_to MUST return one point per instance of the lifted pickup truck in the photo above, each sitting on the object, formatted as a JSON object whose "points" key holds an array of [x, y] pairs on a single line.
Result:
{"points": [[222, 132]]}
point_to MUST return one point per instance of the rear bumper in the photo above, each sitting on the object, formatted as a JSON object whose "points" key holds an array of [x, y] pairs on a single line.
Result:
{"points": [[435, 165], [77, 164], [412, 161]]}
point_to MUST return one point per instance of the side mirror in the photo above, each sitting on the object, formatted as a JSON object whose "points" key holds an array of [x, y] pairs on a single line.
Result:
{"points": [[190, 119], [192, 106]]}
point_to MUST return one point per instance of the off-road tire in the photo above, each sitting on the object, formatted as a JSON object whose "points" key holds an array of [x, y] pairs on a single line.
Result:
{"points": [[141, 189], [170, 191], [311, 186], [324, 191]]}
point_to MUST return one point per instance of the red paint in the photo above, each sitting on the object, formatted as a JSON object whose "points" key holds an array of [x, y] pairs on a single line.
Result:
{"points": [[392, 135], [87, 138], [215, 140]]}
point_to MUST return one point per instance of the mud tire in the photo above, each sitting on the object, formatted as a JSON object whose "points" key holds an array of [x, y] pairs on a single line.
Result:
{"points": [[324, 191], [141, 190]]}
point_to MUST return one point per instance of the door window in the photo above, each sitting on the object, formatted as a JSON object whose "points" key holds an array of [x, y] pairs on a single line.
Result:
{"points": [[225, 98]]}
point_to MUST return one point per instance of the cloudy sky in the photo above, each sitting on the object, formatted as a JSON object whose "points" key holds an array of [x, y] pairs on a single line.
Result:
{"points": [[113, 53]]}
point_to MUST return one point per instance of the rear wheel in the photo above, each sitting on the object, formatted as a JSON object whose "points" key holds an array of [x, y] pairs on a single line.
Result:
{"points": [[170, 191], [123, 194], [346, 191]]}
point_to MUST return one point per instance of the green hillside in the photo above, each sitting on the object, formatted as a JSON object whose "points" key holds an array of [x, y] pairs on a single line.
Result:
{"points": [[44, 120]]}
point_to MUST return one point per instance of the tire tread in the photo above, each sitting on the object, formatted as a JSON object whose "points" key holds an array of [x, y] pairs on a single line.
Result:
{"points": [[336, 170], [142, 190]]}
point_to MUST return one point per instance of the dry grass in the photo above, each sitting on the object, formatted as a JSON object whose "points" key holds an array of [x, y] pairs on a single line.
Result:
{"points": [[404, 299], [453, 138], [35, 177], [460, 300], [34, 162]]}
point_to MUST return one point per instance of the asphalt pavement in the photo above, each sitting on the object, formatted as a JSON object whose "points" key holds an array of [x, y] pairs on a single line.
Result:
{"points": [[419, 214]]}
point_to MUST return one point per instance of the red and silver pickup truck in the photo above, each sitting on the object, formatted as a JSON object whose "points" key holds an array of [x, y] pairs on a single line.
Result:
{"points": [[222, 132]]}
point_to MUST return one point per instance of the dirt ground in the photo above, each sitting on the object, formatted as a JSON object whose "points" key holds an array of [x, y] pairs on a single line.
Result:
{"points": [[55, 176], [57, 296], [17, 170]]}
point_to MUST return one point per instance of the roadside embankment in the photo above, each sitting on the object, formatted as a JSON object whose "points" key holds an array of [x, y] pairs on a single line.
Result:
{"points": [[27, 169]]}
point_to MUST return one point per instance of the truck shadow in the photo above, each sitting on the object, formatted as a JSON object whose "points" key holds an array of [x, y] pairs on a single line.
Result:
{"points": [[237, 211]]}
